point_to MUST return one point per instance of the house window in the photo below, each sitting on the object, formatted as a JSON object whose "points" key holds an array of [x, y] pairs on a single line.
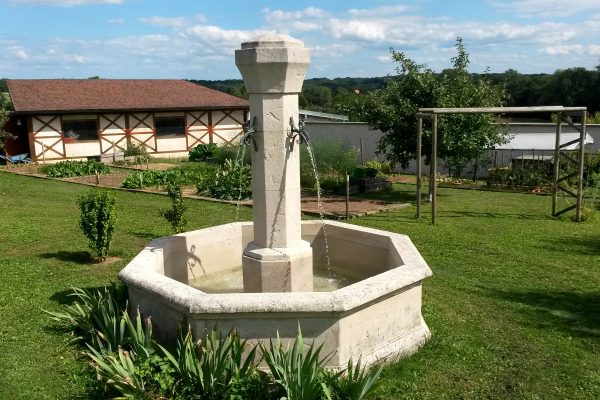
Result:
{"points": [[169, 127], [78, 130]]}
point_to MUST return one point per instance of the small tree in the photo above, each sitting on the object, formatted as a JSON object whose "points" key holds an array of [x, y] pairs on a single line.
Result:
{"points": [[461, 137], [97, 220], [175, 214], [4, 135]]}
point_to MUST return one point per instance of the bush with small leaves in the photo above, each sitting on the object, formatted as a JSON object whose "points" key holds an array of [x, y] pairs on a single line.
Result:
{"points": [[202, 152], [175, 214], [231, 181], [97, 220]]}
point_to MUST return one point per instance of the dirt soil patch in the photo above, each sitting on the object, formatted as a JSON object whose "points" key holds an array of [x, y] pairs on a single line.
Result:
{"points": [[335, 206]]}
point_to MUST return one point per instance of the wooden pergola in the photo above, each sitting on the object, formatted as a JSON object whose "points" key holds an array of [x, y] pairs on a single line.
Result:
{"points": [[562, 114]]}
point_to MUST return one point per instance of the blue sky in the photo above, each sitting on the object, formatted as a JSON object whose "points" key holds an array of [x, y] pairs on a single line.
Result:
{"points": [[194, 39]]}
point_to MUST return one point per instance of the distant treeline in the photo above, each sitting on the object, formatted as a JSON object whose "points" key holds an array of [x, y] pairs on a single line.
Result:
{"points": [[569, 87]]}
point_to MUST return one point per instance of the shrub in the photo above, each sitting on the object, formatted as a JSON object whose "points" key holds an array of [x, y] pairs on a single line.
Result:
{"points": [[232, 181], [364, 172], [97, 220], [383, 168], [136, 150], [231, 152], [66, 169], [202, 152], [175, 214]]}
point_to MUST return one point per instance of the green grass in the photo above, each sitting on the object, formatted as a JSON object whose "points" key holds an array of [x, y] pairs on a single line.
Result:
{"points": [[514, 303]]}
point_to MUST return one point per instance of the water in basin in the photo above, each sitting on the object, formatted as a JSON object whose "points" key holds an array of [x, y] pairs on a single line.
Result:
{"points": [[325, 279]]}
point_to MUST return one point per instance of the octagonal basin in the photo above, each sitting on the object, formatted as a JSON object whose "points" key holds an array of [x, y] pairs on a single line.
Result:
{"points": [[373, 314]]}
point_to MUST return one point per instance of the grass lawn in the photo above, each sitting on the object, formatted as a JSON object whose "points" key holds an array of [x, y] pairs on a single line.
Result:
{"points": [[514, 303]]}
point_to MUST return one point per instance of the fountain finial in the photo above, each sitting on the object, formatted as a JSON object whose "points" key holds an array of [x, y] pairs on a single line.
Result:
{"points": [[273, 64]]}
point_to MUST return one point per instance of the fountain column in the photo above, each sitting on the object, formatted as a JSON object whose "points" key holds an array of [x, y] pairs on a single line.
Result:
{"points": [[278, 260]]}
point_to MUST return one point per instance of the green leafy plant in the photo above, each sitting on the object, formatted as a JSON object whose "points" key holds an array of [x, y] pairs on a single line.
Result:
{"points": [[383, 168], [67, 169], [82, 316], [212, 366], [185, 174], [4, 134], [300, 375], [231, 181], [178, 207], [202, 152], [97, 220], [357, 382], [119, 372], [139, 151], [230, 152]]}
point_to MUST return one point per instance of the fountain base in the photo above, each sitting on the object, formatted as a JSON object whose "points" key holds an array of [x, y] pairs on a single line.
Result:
{"points": [[376, 318], [278, 270]]}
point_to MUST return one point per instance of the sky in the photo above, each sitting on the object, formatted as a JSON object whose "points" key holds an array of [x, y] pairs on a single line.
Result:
{"points": [[195, 39]]}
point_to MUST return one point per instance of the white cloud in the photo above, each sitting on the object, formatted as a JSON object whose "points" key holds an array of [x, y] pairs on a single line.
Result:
{"points": [[116, 21], [171, 22], [279, 15], [373, 31], [334, 50], [593, 50], [219, 39], [386, 58], [563, 50], [379, 11], [65, 3], [547, 8]]}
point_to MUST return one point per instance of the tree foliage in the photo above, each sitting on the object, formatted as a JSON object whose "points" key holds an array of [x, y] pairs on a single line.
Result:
{"points": [[461, 138], [4, 134]]}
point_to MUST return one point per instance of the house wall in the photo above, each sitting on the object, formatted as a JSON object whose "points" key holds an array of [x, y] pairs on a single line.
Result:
{"points": [[47, 141]]}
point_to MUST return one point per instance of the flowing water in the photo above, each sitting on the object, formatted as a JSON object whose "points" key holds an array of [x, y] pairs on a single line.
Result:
{"points": [[239, 160], [319, 203], [325, 279]]}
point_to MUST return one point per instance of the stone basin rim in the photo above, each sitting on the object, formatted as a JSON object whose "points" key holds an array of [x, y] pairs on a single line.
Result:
{"points": [[141, 275]]}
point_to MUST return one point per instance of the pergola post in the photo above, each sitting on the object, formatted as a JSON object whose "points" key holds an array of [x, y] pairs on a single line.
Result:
{"points": [[578, 211], [432, 180], [419, 143], [556, 165]]}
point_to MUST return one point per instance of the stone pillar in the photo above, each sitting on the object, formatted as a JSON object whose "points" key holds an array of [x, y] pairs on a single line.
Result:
{"points": [[278, 260]]}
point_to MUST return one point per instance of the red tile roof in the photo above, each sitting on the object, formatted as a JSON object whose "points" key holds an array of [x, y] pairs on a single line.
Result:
{"points": [[76, 95]]}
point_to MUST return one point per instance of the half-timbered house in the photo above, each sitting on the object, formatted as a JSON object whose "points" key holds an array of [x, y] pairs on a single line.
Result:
{"points": [[57, 119]]}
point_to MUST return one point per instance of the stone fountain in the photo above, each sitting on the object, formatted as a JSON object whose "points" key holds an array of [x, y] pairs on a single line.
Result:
{"points": [[376, 317]]}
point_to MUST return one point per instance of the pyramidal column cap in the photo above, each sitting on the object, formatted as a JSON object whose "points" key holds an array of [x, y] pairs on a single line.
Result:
{"points": [[273, 40], [273, 64]]}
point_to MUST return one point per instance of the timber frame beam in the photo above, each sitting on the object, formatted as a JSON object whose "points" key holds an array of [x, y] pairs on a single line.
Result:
{"points": [[563, 113]]}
